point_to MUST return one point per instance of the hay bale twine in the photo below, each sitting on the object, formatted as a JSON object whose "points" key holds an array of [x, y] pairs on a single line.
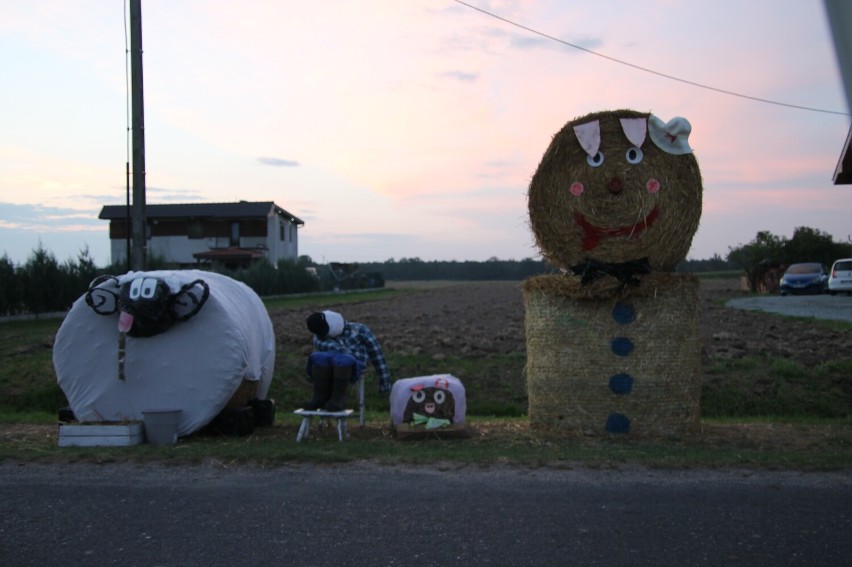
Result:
{"points": [[632, 204], [627, 360]]}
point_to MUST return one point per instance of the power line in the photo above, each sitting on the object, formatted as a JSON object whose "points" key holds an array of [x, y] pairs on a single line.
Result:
{"points": [[645, 69]]}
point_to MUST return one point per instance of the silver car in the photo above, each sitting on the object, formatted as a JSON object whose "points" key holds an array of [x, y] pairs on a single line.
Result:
{"points": [[840, 278]]}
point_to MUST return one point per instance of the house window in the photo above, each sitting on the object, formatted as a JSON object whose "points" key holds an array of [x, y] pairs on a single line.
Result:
{"points": [[282, 232], [235, 234], [195, 230]]}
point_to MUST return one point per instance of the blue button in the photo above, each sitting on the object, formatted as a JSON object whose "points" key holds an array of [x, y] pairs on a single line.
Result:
{"points": [[618, 423], [624, 313], [622, 346], [621, 383]]}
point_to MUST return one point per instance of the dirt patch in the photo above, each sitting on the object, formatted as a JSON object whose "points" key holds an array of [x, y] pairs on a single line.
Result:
{"points": [[471, 319], [738, 333], [484, 318]]}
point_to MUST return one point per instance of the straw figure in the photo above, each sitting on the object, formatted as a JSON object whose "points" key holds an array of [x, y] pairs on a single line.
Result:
{"points": [[612, 341]]}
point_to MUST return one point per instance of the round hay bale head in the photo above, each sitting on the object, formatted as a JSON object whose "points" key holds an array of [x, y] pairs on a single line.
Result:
{"points": [[626, 202], [629, 362]]}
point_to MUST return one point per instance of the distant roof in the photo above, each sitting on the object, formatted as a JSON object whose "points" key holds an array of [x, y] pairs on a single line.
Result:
{"points": [[240, 209], [843, 171]]}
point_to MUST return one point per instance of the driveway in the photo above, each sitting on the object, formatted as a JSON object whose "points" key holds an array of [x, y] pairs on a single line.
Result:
{"points": [[837, 307]]}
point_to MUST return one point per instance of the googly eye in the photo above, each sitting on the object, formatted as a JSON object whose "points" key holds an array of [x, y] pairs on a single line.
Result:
{"points": [[440, 396], [634, 155], [135, 289], [595, 160], [419, 396], [149, 288]]}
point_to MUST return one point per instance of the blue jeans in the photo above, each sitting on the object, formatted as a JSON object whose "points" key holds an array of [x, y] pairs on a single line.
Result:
{"points": [[334, 359]]}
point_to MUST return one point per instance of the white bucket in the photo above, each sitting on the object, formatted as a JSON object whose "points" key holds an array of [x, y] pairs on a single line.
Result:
{"points": [[161, 426]]}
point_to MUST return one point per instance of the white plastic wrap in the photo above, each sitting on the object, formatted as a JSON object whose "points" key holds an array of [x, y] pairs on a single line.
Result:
{"points": [[195, 366]]}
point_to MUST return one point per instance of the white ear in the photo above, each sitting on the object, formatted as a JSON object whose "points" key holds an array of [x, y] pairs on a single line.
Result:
{"points": [[672, 137], [635, 129], [589, 136]]}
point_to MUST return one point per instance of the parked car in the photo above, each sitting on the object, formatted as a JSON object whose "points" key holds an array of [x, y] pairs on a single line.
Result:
{"points": [[807, 277], [840, 278]]}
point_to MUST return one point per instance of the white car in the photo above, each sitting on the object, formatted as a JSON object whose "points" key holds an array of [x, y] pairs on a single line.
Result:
{"points": [[840, 278]]}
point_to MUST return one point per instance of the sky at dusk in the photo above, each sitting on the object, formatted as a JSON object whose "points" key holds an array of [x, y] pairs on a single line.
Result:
{"points": [[402, 129]]}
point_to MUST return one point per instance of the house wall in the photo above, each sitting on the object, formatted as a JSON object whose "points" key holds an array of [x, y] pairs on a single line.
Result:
{"points": [[282, 239], [176, 240]]}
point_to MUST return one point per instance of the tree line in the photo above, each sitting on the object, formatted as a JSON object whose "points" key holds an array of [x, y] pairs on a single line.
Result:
{"points": [[414, 269], [764, 259], [43, 285]]}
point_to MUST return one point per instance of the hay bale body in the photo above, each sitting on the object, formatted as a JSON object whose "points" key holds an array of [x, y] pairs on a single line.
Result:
{"points": [[626, 360]]}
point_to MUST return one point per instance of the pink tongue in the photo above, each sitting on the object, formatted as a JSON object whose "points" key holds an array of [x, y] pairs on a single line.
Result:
{"points": [[125, 321]]}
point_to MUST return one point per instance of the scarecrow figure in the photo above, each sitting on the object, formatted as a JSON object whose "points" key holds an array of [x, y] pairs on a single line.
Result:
{"points": [[342, 351], [612, 342]]}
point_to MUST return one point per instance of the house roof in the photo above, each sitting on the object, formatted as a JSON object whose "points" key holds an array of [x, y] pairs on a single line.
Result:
{"points": [[843, 171], [241, 209], [839, 14]]}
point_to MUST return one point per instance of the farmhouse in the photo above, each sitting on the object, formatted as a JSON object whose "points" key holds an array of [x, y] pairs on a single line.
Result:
{"points": [[215, 235]]}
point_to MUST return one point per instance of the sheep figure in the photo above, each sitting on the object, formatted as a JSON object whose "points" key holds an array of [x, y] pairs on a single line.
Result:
{"points": [[175, 339]]}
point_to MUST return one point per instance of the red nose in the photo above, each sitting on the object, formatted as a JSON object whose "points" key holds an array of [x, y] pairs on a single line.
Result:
{"points": [[615, 185]]}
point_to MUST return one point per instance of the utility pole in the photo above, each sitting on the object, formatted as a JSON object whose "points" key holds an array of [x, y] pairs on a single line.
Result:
{"points": [[137, 213]]}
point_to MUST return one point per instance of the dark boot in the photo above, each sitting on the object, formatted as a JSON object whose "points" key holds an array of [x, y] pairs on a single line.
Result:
{"points": [[323, 376], [337, 401]]}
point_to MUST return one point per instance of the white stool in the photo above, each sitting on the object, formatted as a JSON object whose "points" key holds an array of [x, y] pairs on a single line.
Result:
{"points": [[308, 415]]}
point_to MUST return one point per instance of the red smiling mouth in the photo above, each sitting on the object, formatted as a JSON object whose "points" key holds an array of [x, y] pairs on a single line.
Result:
{"points": [[592, 234]]}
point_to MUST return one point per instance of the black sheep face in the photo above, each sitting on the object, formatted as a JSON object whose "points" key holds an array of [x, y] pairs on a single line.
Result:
{"points": [[146, 305], [430, 402]]}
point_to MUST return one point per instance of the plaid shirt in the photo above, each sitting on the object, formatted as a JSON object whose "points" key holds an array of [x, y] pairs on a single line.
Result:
{"points": [[358, 340]]}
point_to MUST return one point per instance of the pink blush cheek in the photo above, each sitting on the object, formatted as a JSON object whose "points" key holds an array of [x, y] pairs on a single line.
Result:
{"points": [[577, 189], [653, 186]]}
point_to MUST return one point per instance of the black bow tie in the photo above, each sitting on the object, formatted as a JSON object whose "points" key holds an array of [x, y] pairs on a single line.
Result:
{"points": [[625, 272]]}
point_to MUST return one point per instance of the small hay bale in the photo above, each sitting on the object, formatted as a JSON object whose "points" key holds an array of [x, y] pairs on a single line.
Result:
{"points": [[246, 391], [625, 361]]}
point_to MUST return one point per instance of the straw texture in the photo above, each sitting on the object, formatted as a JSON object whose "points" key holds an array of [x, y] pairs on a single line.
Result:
{"points": [[615, 360], [245, 392], [633, 223]]}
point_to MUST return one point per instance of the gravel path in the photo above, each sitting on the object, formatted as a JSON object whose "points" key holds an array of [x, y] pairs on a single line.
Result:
{"points": [[837, 308]]}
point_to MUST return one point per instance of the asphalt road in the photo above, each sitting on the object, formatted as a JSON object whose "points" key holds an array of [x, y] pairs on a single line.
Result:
{"points": [[372, 515], [836, 307]]}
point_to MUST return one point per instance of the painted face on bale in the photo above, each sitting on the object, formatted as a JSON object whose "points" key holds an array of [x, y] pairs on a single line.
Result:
{"points": [[429, 402], [617, 186]]}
